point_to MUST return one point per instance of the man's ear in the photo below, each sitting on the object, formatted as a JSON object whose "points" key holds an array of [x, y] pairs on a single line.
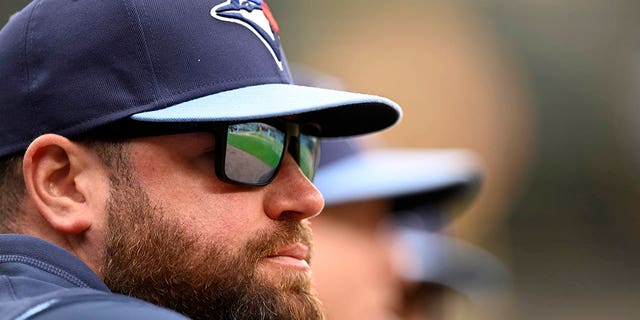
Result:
{"points": [[60, 178]]}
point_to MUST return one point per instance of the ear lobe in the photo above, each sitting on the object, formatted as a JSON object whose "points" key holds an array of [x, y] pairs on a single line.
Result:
{"points": [[53, 167]]}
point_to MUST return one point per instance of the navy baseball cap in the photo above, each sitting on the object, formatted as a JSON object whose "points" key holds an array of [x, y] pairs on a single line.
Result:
{"points": [[70, 66]]}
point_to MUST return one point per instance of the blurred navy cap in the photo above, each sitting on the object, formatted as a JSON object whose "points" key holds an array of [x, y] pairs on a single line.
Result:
{"points": [[435, 258], [419, 180]]}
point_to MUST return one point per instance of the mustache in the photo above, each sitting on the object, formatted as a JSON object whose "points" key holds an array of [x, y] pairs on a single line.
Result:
{"points": [[287, 232]]}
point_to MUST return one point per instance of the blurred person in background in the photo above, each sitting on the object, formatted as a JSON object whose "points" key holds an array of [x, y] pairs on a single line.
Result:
{"points": [[378, 253], [383, 253], [546, 93]]}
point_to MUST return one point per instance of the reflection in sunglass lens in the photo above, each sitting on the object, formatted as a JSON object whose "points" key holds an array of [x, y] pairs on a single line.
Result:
{"points": [[253, 152], [309, 154]]}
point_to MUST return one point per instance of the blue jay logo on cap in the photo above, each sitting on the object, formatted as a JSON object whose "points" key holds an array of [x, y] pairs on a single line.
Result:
{"points": [[255, 16]]}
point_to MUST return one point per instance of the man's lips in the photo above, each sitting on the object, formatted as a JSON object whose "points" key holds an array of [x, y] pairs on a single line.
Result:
{"points": [[292, 256]]}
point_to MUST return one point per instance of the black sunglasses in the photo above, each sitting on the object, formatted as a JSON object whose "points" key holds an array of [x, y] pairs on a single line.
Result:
{"points": [[246, 153], [252, 153]]}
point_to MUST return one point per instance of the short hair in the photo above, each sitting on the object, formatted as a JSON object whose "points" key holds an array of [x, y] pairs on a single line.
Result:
{"points": [[13, 189]]}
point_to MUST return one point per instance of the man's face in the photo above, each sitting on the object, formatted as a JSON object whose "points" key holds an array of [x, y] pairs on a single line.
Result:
{"points": [[181, 238]]}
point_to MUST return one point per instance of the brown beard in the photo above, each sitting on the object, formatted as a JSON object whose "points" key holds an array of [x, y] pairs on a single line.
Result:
{"points": [[151, 257]]}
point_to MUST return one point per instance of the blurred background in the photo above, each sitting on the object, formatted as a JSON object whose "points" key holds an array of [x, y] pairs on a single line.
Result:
{"points": [[546, 92]]}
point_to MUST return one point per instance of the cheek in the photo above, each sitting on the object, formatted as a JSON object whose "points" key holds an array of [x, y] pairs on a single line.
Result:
{"points": [[197, 200], [231, 217], [228, 218]]}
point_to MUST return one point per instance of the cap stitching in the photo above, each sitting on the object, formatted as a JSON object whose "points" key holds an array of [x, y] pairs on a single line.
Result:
{"points": [[226, 81], [153, 58], [27, 41], [144, 45]]}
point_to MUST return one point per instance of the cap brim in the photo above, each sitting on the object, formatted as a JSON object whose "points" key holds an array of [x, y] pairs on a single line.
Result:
{"points": [[338, 113], [392, 172]]}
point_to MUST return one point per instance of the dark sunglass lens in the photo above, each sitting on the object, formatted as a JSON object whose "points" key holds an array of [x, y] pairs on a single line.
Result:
{"points": [[253, 152], [309, 155]]}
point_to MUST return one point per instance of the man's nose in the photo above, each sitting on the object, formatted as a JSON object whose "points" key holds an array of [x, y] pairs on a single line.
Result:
{"points": [[291, 195]]}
